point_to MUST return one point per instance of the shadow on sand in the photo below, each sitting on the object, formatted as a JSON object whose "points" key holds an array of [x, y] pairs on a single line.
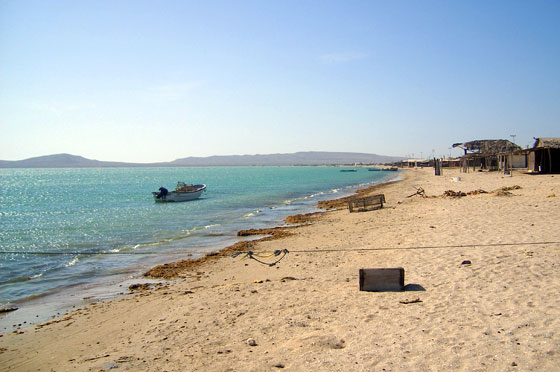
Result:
{"points": [[413, 288]]}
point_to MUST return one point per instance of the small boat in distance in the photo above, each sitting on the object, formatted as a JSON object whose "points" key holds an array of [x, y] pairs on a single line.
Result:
{"points": [[181, 193], [348, 170], [374, 169]]}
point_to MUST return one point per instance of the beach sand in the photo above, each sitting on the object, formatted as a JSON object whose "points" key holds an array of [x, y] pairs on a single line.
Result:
{"points": [[501, 312]]}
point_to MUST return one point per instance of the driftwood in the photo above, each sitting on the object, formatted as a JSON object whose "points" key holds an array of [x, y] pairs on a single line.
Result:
{"points": [[458, 194], [509, 188], [420, 191], [8, 309], [505, 191], [413, 301], [449, 193]]}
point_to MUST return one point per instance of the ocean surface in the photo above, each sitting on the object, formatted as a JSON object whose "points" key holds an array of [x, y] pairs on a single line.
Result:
{"points": [[70, 228]]}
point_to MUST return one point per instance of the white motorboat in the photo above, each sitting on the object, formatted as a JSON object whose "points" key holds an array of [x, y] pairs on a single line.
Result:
{"points": [[182, 192]]}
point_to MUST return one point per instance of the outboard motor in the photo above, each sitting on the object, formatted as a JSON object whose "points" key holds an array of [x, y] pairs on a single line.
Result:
{"points": [[162, 193]]}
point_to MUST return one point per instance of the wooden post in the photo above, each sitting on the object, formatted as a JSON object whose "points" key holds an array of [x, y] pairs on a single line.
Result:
{"points": [[511, 165], [437, 166], [549, 161]]}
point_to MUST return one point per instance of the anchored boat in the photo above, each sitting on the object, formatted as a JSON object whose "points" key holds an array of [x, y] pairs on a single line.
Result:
{"points": [[182, 192]]}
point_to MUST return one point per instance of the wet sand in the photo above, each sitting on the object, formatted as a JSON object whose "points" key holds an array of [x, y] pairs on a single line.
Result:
{"points": [[499, 313]]}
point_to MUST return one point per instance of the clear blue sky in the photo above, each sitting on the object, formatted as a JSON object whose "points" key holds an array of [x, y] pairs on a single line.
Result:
{"points": [[145, 81]]}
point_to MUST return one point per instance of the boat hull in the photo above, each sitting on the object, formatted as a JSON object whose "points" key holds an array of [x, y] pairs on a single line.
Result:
{"points": [[179, 196]]}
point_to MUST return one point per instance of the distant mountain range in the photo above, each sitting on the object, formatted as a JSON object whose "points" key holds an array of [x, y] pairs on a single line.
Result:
{"points": [[298, 158]]}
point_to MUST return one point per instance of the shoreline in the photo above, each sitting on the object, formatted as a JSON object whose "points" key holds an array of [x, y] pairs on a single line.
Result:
{"points": [[498, 312], [173, 270], [31, 311]]}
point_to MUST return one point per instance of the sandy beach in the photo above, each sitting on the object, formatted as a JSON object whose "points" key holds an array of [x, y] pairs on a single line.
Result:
{"points": [[501, 312]]}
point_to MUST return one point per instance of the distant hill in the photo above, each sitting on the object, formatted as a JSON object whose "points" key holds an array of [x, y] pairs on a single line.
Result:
{"points": [[298, 158], [61, 161]]}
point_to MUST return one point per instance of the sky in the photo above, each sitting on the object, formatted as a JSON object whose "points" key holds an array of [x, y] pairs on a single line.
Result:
{"points": [[148, 81]]}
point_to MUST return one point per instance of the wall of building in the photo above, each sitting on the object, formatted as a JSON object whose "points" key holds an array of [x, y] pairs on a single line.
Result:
{"points": [[519, 161], [531, 162]]}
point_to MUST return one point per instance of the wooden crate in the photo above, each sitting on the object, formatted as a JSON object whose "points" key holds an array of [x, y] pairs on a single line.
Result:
{"points": [[383, 279], [366, 204]]}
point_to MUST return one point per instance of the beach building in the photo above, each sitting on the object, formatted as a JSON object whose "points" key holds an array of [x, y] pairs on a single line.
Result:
{"points": [[415, 163], [544, 156], [423, 163], [450, 162], [485, 154], [508, 161]]}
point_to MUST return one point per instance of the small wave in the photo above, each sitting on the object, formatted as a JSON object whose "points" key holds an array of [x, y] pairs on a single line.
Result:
{"points": [[296, 200], [314, 195], [214, 225], [73, 262], [137, 246], [217, 234], [252, 214], [116, 250], [184, 235], [18, 279]]}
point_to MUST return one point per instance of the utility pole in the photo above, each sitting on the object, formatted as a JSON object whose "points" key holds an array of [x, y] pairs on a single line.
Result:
{"points": [[513, 137]]}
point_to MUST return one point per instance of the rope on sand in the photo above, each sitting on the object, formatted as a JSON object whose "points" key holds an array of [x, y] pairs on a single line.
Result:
{"points": [[253, 255], [283, 252], [424, 247]]}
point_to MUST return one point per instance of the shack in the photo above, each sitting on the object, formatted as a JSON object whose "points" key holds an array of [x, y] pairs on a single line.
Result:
{"points": [[544, 156], [484, 154], [450, 162], [508, 161], [416, 163]]}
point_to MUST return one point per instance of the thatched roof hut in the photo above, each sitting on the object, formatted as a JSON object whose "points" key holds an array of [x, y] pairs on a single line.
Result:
{"points": [[544, 157], [547, 143], [487, 147], [484, 153]]}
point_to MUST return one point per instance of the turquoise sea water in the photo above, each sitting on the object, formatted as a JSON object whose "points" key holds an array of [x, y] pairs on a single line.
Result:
{"points": [[63, 227]]}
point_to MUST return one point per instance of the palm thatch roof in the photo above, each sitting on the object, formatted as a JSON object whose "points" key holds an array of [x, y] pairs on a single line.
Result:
{"points": [[547, 143], [487, 147]]}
